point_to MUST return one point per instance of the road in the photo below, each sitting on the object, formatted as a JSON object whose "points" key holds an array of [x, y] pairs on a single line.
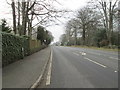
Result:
{"points": [[83, 68]]}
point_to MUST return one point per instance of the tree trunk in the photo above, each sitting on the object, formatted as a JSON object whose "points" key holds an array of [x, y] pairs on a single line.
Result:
{"points": [[14, 16], [19, 17], [108, 20], [75, 37], [110, 24], [83, 36], [30, 28], [23, 18]]}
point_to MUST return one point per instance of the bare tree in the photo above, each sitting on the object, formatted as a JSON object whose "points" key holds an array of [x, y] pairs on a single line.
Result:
{"points": [[86, 18], [42, 11], [72, 30], [107, 9], [33, 13], [85, 23]]}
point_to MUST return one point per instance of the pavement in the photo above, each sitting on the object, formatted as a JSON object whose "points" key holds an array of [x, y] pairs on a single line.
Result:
{"points": [[24, 73], [83, 68]]}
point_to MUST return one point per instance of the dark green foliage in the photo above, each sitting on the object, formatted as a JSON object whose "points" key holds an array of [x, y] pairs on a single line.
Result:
{"points": [[40, 34], [115, 38], [26, 45], [5, 28], [44, 36], [100, 37], [48, 38], [101, 40], [48, 41], [104, 43], [12, 48]]}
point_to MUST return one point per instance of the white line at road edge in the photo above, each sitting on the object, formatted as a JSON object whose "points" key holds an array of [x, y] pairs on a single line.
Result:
{"points": [[95, 62], [36, 83], [39, 78], [49, 70]]}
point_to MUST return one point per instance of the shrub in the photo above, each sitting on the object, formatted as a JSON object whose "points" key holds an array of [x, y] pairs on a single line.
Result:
{"points": [[15, 48], [12, 48], [104, 43], [26, 45]]}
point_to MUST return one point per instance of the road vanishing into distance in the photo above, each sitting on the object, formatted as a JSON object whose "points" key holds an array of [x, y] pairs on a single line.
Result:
{"points": [[83, 68]]}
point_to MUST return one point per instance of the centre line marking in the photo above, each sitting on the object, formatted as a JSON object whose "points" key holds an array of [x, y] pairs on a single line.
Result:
{"points": [[113, 58], [115, 71], [83, 53], [75, 53], [80, 52], [95, 62], [49, 70]]}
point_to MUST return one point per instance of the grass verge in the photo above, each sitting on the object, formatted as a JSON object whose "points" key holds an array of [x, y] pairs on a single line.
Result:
{"points": [[101, 48]]}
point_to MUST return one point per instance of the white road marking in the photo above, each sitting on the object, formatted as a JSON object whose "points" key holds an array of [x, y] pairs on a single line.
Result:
{"points": [[115, 71], [49, 71], [113, 58], [36, 83], [39, 79], [83, 53], [96, 62], [80, 52], [75, 53]]}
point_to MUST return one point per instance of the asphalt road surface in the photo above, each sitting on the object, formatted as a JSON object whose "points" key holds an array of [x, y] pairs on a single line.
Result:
{"points": [[83, 68]]}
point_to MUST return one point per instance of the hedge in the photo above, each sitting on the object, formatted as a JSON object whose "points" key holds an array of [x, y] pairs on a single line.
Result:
{"points": [[26, 45], [13, 48], [0, 48]]}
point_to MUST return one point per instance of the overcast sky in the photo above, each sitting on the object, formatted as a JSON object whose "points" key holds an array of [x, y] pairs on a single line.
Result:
{"points": [[73, 5], [57, 30]]}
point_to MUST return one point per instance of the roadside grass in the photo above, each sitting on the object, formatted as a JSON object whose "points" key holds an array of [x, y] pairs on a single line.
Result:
{"points": [[101, 48]]}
